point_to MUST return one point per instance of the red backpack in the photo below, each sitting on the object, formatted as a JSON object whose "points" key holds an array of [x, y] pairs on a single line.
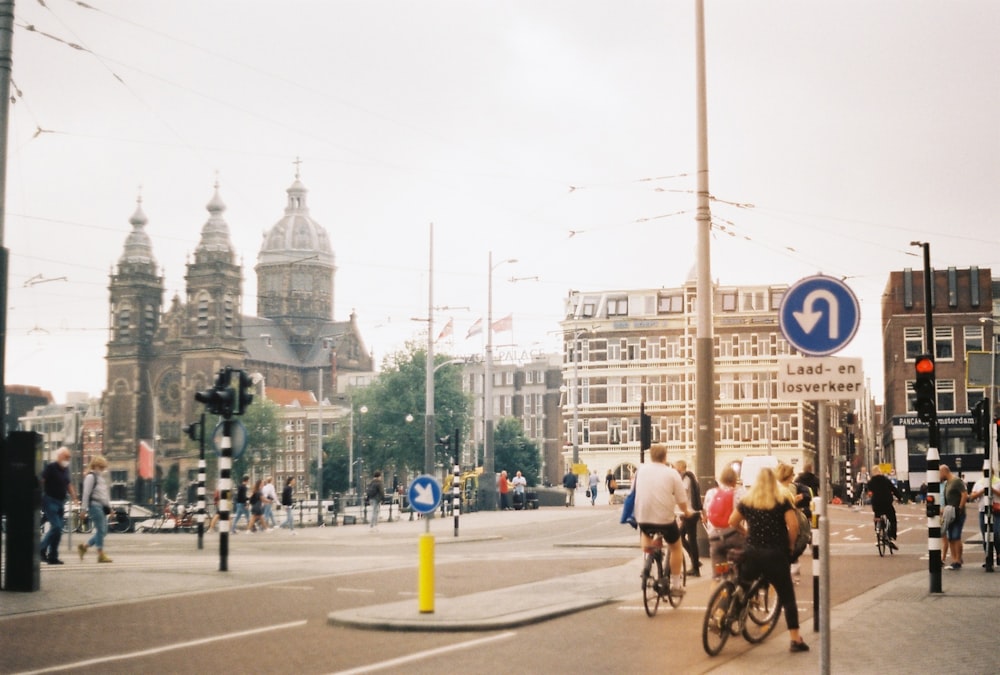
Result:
{"points": [[721, 507]]}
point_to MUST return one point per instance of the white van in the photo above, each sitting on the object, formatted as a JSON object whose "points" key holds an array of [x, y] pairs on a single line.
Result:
{"points": [[751, 466]]}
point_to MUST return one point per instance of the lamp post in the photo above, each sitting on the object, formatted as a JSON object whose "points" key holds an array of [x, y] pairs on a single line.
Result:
{"points": [[488, 483], [363, 410]]}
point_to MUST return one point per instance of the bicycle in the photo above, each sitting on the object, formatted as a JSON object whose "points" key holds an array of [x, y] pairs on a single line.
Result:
{"points": [[737, 607], [119, 520], [882, 541], [656, 576], [77, 521]]}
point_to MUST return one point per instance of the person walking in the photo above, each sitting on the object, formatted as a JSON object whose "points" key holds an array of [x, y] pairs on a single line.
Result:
{"points": [[592, 487], [503, 487], [287, 502], [611, 484], [269, 497], [376, 495], [520, 484], [953, 516], [97, 506], [569, 484], [689, 525], [242, 499], [257, 507], [56, 485], [988, 498], [766, 517]]}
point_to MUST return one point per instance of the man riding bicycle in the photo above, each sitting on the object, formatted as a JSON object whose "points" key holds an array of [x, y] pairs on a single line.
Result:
{"points": [[659, 495], [882, 492]]}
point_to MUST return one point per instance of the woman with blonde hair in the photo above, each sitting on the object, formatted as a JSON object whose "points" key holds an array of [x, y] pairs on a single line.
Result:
{"points": [[766, 517], [97, 505]]}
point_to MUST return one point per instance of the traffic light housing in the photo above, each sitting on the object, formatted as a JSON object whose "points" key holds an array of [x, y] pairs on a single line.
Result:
{"points": [[924, 388], [645, 431], [220, 399], [981, 420], [244, 395], [193, 431]]}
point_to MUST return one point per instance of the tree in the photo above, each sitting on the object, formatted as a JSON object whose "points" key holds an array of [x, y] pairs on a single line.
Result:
{"points": [[515, 451], [263, 437]]}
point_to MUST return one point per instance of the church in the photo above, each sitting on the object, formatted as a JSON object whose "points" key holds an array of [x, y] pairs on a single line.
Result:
{"points": [[158, 357]]}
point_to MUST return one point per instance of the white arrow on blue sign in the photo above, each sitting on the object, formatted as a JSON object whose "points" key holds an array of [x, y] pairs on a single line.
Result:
{"points": [[424, 494], [819, 315]]}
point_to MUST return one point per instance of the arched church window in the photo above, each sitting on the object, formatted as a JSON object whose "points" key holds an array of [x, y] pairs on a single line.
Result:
{"points": [[149, 321], [203, 314], [228, 314], [125, 322]]}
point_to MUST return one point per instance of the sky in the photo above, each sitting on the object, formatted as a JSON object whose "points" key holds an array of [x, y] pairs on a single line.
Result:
{"points": [[557, 133]]}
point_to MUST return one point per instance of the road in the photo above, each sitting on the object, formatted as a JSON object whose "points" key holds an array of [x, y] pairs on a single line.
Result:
{"points": [[172, 611]]}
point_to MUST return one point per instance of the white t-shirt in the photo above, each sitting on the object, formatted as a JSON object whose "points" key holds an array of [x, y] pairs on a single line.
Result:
{"points": [[983, 498], [659, 491]]}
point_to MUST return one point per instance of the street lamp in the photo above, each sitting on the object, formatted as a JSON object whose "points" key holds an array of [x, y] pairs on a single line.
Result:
{"points": [[488, 482]]}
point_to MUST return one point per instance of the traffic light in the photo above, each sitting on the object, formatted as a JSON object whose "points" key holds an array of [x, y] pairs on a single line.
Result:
{"points": [[193, 431], [981, 420], [924, 389], [245, 396], [645, 431], [220, 399]]}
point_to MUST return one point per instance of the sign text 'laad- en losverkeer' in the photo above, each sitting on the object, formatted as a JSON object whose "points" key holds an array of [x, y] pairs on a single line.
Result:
{"points": [[819, 378]]}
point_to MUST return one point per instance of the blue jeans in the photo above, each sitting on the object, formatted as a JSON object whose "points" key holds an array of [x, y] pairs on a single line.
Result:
{"points": [[100, 521], [289, 518], [375, 504], [53, 509], [241, 512], [269, 515]]}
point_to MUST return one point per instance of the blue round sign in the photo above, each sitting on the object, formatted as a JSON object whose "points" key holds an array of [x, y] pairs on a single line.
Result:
{"points": [[424, 494], [237, 441], [819, 315]]}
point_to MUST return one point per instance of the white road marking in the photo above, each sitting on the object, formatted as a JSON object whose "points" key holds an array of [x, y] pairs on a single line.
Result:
{"points": [[165, 648], [417, 656], [341, 589]]}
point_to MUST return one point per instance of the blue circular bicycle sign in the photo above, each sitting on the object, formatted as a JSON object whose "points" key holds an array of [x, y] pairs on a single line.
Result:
{"points": [[819, 315]]}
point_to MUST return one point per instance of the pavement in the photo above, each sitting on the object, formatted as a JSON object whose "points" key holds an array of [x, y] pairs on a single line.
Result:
{"points": [[899, 626]]}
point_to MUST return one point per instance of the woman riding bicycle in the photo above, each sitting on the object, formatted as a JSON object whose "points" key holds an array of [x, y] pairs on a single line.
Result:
{"points": [[766, 516], [882, 492], [659, 495]]}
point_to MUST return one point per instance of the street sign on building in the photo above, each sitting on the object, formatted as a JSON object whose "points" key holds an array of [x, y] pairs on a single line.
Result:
{"points": [[819, 315], [828, 378]]}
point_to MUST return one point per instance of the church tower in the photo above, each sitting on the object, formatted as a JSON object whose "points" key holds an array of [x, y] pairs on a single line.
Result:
{"points": [[136, 294], [295, 271]]}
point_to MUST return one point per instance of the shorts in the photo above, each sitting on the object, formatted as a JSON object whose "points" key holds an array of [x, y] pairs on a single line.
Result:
{"points": [[953, 532], [669, 531]]}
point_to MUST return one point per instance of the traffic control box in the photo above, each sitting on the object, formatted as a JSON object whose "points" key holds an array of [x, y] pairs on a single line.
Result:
{"points": [[22, 507]]}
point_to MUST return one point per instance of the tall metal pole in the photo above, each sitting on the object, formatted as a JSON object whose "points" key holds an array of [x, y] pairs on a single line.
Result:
{"points": [[488, 482], [933, 438], [6, 63], [201, 481], [704, 376], [429, 367], [319, 454]]}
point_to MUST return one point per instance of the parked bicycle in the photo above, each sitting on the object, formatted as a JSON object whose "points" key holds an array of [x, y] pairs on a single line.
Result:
{"points": [[882, 541], [737, 607], [76, 521], [656, 576], [119, 520]]}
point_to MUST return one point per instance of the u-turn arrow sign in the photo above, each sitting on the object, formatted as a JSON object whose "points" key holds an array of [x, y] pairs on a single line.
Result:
{"points": [[819, 315]]}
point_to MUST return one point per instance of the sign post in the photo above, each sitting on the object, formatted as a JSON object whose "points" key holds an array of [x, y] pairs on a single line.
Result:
{"points": [[424, 495]]}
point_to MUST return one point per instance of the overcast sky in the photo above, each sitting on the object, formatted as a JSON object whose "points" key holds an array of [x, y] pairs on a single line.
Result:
{"points": [[838, 133]]}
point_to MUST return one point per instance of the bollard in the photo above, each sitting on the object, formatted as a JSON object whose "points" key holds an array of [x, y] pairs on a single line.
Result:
{"points": [[425, 574]]}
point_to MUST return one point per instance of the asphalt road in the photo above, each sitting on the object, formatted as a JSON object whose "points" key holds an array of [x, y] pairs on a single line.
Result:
{"points": [[174, 612]]}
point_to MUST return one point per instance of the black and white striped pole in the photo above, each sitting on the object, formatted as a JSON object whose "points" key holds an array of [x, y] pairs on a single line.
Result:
{"points": [[456, 493], [196, 432]]}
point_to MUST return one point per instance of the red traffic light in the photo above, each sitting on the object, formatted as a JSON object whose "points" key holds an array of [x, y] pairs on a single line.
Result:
{"points": [[924, 365]]}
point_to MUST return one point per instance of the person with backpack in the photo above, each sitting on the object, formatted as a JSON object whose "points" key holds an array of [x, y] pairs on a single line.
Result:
{"points": [[801, 497], [375, 494], [719, 501]]}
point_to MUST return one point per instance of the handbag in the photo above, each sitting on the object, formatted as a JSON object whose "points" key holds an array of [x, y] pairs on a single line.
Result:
{"points": [[588, 492], [996, 507], [107, 509], [628, 510]]}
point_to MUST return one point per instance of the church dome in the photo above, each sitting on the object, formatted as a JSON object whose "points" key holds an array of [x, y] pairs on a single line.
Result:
{"points": [[296, 237], [138, 245]]}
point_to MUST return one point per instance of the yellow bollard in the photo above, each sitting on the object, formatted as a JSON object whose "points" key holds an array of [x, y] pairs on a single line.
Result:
{"points": [[425, 574]]}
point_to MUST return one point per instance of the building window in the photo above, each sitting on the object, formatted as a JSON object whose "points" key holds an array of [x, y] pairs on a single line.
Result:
{"points": [[972, 397], [913, 342], [729, 301], [614, 432], [776, 298], [149, 321], [618, 307], [124, 322], [633, 351], [944, 344], [973, 339], [588, 309], [529, 377], [670, 304], [753, 301], [227, 316], [203, 314], [946, 396]]}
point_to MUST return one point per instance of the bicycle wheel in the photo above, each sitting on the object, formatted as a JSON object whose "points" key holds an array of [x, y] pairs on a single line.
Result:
{"points": [[762, 611], [85, 526], [880, 537], [71, 521], [675, 600], [718, 617], [652, 574], [120, 523]]}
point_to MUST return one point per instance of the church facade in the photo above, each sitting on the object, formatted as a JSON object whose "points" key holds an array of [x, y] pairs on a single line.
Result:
{"points": [[158, 357]]}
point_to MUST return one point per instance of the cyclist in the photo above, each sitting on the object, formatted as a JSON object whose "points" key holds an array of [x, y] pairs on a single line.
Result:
{"points": [[881, 491], [659, 495]]}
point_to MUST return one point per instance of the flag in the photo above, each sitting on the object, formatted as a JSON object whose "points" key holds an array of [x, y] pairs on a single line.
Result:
{"points": [[447, 330], [506, 323], [475, 329], [145, 460]]}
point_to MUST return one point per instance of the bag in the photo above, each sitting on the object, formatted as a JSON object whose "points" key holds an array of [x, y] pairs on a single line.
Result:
{"points": [[721, 507], [107, 509], [588, 492], [805, 534], [996, 507], [372, 490], [613, 484], [628, 511]]}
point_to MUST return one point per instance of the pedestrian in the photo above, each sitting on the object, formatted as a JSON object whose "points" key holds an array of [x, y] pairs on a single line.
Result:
{"points": [[592, 487], [881, 493], [953, 515], [97, 506], [808, 478], [719, 504], [56, 485], [242, 503], [765, 516], [569, 484], [287, 502], [863, 479], [215, 517], [257, 507], [520, 483], [375, 494], [269, 497], [612, 485], [503, 486], [689, 525], [659, 495], [800, 496], [982, 496]]}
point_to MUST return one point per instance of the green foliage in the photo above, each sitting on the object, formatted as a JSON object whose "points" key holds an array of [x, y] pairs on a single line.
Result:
{"points": [[263, 427], [515, 452]]}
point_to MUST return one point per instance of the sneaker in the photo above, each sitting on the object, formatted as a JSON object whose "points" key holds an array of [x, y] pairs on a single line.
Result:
{"points": [[892, 545], [799, 646], [677, 591], [54, 561], [955, 566], [103, 558], [82, 550]]}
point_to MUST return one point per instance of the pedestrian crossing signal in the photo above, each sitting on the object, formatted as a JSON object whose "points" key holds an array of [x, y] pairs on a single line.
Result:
{"points": [[924, 388]]}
